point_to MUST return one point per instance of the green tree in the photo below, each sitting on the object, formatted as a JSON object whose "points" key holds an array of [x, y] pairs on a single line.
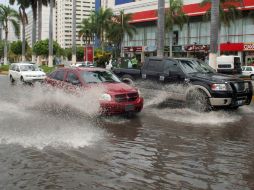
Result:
{"points": [[101, 20], [16, 47], [23, 5], [8, 16], [119, 26], [86, 30], [80, 53], [2, 48], [174, 16], [41, 48]]}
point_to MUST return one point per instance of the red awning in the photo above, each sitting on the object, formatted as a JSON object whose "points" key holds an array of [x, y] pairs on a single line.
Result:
{"points": [[232, 47]]}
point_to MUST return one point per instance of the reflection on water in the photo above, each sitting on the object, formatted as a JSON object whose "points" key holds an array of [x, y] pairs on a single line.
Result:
{"points": [[54, 141]]}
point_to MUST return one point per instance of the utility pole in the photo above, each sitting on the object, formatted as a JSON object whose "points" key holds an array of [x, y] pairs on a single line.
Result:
{"points": [[161, 28], [50, 61]]}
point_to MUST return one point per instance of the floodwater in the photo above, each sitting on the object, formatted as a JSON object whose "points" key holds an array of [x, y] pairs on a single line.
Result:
{"points": [[52, 140]]}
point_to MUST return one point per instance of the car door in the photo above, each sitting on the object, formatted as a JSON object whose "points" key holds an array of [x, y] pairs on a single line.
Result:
{"points": [[57, 79], [17, 72], [172, 72], [72, 82], [248, 71], [153, 70]]}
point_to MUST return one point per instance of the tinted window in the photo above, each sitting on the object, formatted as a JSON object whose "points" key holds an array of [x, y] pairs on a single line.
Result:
{"points": [[155, 65], [99, 77], [71, 77], [171, 66], [59, 75], [195, 67]]}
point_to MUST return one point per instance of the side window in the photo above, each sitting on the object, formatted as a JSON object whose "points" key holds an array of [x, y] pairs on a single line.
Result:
{"points": [[155, 65], [72, 77], [59, 75], [171, 66], [248, 69], [12, 67], [17, 68]]}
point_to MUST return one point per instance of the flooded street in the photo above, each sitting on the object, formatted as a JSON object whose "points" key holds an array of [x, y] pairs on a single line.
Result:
{"points": [[51, 140]]}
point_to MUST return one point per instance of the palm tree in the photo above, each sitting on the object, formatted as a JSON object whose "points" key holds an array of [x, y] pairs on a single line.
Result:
{"points": [[50, 63], [86, 30], [214, 31], [74, 48], [228, 13], [174, 16], [119, 26], [102, 20], [34, 7], [161, 28], [23, 5], [40, 3], [8, 16]]}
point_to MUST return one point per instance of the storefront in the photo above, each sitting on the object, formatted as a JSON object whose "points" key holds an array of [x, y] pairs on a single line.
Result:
{"points": [[198, 51], [248, 53], [137, 51]]}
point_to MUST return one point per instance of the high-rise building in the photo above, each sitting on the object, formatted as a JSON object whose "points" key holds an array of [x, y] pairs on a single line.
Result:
{"points": [[45, 25], [64, 19]]}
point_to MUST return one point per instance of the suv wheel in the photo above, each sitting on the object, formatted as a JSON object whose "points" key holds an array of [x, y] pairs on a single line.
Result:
{"points": [[128, 79], [197, 100], [22, 80], [252, 77]]}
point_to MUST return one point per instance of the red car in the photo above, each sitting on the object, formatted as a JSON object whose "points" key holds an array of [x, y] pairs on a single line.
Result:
{"points": [[117, 98]]}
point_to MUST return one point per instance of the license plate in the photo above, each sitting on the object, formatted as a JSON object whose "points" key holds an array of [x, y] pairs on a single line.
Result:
{"points": [[129, 107], [240, 102]]}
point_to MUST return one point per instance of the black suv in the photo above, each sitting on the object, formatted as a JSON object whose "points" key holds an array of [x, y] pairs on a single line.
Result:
{"points": [[202, 88]]}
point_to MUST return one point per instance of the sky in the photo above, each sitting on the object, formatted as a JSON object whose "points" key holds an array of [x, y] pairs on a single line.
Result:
{"points": [[6, 2]]}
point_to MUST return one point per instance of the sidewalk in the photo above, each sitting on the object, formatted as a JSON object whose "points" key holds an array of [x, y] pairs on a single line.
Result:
{"points": [[3, 72]]}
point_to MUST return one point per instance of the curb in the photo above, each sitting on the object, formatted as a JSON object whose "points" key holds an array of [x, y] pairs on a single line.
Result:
{"points": [[3, 72]]}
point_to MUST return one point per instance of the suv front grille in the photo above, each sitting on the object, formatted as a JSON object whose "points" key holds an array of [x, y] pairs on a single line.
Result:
{"points": [[126, 97], [239, 86]]}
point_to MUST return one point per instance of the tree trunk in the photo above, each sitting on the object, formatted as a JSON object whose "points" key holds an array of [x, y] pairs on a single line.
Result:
{"points": [[39, 26], [34, 9], [214, 32], [161, 28], [5, 47], [23, 42], [171, 43], [50, 59], [74, 58]]}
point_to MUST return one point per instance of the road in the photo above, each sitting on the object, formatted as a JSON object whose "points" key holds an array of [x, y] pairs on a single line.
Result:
{"points": [[52, 140]]}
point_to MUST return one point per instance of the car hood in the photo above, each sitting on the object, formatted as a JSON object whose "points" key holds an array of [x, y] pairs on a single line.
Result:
{"points": [[33, 73], [118, 88], [215, 77]]}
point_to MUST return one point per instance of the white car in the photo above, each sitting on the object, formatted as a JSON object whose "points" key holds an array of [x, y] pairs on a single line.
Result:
{"points": [[248, 71], [25, 72]]}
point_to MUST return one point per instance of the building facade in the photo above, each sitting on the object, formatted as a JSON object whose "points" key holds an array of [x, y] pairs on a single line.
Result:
{"points": [[45, 26], [64, 20], [193, 39]]}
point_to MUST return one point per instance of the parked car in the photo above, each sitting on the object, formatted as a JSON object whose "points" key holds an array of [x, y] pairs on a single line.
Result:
{"points": [[203, 88], [25, 72], [229, 64], [83, 64], [118, 97], [248, 71]]}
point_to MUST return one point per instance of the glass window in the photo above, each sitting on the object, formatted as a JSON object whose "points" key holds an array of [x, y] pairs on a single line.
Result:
{"points": [[99, 77], [171, 66], [248, 69], [59, 75], [72, 77], [195, 67], [29, 68], [155, 65]]}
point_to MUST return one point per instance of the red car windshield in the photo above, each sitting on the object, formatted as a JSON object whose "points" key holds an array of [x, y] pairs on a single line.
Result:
{"points": [[99, 77]]}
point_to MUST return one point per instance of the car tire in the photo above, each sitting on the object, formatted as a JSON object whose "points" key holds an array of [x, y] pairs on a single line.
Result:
{"points": [[252, 77], [12, 80], [198, 100], [22, 80], [128, 79]]}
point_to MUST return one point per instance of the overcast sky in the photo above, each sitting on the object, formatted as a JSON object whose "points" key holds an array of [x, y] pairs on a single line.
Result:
{"points": [[6, 2]]}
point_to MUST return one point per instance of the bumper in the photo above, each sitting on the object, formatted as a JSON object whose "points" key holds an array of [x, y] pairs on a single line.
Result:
{"points": [[114, 108], [232, 101], [34, 79]]}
